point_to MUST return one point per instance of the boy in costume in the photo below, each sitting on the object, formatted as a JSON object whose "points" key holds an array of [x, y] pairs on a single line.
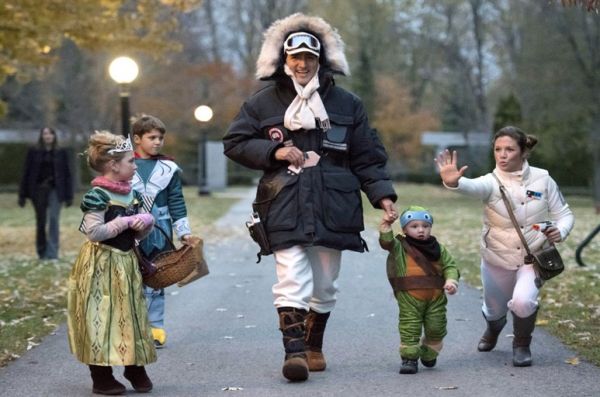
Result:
{"points": [[419, 269], [158, 180]]}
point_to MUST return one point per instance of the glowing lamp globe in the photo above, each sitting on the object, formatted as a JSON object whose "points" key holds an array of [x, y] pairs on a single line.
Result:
{"points": [[123, 70], [203, 113]]}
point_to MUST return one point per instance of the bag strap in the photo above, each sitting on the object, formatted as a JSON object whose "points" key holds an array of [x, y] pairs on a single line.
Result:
{"points": [[407, 283], [512, 217]]}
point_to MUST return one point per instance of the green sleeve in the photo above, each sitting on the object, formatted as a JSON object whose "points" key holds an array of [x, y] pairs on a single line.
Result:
{"points": [[396, 261], [448, 265], [95, 200]]}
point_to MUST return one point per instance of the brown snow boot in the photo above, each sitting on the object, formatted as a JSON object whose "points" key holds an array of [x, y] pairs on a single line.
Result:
{"points": [[523, 328], [104, 382], [315, 329], [490, 336], [291, 324]]}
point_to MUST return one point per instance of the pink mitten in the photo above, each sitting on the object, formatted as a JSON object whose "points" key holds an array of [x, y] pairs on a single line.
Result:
{"points": [[126, 219], [148, 219]]}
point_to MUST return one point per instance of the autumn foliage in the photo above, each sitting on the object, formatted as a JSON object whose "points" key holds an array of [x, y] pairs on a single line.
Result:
{"points": [[399, 125]]}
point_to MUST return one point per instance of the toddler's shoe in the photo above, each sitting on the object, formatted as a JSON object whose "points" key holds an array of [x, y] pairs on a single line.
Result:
{"points": [[160, 337], [409, 366], [430, 363]]}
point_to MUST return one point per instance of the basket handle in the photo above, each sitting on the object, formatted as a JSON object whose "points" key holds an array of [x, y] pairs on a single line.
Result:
{"points": [[166, 236]]}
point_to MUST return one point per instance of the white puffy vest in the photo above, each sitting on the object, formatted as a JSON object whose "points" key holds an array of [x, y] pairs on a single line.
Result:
{"points": [[535, 198]]}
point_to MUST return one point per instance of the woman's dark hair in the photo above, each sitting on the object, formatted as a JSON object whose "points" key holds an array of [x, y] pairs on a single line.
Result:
{"points": [[526, 142], [41, 143]]}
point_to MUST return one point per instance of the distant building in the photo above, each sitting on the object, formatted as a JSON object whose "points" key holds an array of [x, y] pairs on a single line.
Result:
{"points": [[27, 136], [19, 136], [473, 148]]}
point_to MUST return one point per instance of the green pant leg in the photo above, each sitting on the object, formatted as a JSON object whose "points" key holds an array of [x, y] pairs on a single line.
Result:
{"points": [[435, 328], [410, 324]]}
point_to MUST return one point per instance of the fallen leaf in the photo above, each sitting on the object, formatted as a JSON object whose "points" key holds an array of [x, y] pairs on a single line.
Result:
{"points": [[572, 361]]}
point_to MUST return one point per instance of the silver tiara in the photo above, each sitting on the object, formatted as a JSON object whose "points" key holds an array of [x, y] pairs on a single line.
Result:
{"points": [[122, 147]]}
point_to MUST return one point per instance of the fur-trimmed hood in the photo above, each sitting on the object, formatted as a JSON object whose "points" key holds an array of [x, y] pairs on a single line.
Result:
{"points": [[271, 53]]}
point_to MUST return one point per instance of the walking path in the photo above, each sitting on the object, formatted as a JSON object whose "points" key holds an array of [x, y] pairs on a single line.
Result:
{"points": [[223, 335]]}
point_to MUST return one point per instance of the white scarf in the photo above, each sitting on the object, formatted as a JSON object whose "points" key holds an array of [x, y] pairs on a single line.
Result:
{"points": [[307, 107]]}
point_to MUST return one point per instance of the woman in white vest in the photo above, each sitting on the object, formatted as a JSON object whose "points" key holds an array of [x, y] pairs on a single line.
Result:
{"points": [[509, 283]]}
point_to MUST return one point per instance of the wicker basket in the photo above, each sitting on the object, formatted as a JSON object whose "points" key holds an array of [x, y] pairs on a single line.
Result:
{"points": [[175, 265]]}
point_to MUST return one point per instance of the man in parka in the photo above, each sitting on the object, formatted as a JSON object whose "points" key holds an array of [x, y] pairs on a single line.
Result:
{"points": [[313, 142]]}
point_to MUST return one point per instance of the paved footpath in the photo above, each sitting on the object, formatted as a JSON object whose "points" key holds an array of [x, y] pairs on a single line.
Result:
{"points": [[223, 335]]}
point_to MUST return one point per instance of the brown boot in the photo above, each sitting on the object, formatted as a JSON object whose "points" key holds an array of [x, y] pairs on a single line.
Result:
{"points": [[315, 329], [104, 382], [523, 328], [138, 378], [490, 336], [291, 324]]}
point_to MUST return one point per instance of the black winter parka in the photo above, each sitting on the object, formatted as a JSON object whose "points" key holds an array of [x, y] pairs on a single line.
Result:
{"points": [[321, 205]]}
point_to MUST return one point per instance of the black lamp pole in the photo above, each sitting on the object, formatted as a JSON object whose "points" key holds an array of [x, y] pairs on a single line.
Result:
{"points": [[124, 97], [203, 190]]}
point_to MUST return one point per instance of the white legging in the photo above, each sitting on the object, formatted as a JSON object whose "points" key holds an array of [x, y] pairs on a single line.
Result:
{"points": [[307, 278], [505, 289]]}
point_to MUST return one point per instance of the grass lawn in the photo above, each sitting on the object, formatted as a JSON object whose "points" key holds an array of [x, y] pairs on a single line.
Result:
{"points": [[33, 292], [570, 303]]}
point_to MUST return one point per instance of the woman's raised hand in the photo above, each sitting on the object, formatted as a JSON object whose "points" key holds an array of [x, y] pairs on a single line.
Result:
{"points": [[448, 169]]}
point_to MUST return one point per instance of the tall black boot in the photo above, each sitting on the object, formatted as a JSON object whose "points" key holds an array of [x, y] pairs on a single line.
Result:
{"points": [[523, 328], [291, 324], [490, 336], [138, 378], [104, 381], [315, 329]]}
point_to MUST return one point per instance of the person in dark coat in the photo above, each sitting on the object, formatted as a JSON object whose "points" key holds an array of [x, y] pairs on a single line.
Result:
{"points": [[48, 182], [313, 142]]}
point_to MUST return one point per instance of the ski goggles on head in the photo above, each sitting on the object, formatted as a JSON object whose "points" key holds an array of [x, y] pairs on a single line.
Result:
{"points": [[302, 42]]}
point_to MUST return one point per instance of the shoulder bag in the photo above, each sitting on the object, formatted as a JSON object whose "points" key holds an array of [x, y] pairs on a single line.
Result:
{"points": [[547, 262]]}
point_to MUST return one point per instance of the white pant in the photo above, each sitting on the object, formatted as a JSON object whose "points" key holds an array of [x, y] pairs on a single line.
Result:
{"points": [[307, 278], [505, 290]]}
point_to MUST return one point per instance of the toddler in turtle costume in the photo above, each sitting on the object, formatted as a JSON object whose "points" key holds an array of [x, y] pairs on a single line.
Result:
{"points": [[419, 269]]}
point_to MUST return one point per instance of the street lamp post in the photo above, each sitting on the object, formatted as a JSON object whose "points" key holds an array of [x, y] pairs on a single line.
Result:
{"points": [[123, 70], [203, 114]]}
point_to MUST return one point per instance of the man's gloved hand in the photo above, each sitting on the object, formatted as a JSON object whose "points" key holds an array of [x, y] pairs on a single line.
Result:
{"points": [[68, 203], [21, 202]]}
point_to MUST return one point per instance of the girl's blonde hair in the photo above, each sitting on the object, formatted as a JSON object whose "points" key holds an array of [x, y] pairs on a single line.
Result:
{"points": [[98, 146]]}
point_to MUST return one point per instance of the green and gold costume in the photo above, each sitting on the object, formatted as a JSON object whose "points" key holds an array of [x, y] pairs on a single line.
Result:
{"points": [[107, 316]]}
